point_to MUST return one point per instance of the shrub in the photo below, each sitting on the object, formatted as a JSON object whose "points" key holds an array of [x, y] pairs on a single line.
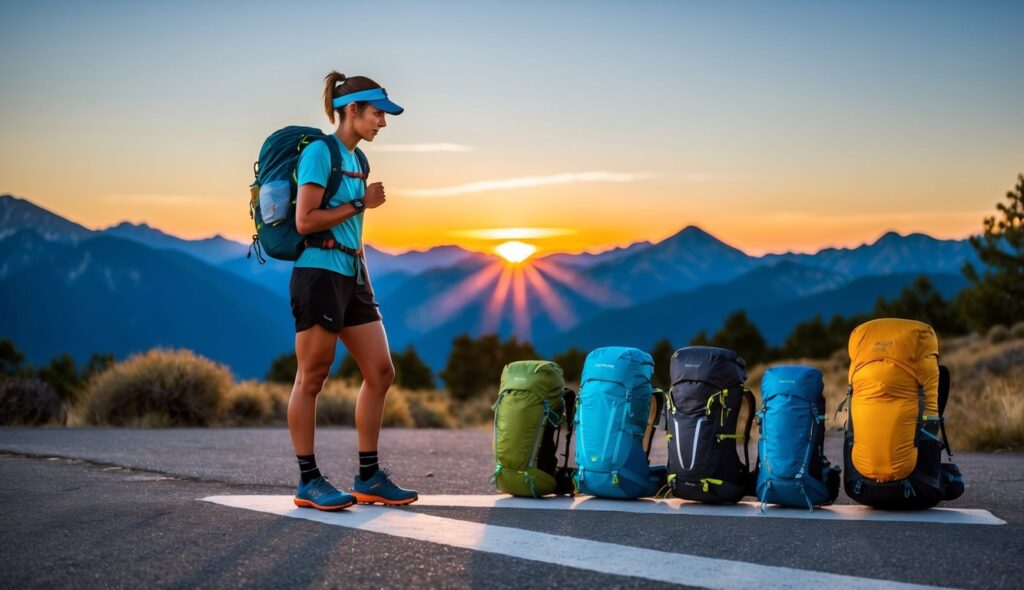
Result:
{"points": [[477, 412], [252, 403], [29, 402], [336, 406], [998, 333], [159, 388], [430, 409]]}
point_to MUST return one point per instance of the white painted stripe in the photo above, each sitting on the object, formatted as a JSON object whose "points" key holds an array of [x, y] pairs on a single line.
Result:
{"points": [[606, 558], [743, 509]]}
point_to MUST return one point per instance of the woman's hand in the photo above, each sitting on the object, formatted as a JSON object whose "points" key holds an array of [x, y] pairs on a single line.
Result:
{"points": [[374, 196]]}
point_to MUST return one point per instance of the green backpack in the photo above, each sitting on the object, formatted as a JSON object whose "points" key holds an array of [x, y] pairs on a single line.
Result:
{"points": [[532, 405]]}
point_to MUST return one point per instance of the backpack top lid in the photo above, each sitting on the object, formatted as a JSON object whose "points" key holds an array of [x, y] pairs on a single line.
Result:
{"points": [[541, 377], [804, 382], [720, 367], [628, 366], [909, 344]]}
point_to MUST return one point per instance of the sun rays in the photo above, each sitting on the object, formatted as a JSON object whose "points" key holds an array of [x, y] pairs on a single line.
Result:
{"points": [[517, 294]]}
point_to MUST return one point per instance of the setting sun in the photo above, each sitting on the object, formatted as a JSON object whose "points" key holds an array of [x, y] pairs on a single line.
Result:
{"points": [[515, 252]]}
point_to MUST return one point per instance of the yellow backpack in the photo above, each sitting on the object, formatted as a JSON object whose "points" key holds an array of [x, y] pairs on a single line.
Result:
{"points": [[897, 391]]}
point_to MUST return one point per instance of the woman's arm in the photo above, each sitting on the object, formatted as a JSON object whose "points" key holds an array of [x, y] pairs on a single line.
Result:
{"points": [[310, 218]]}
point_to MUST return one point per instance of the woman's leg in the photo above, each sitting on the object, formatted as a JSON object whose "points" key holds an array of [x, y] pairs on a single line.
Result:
{"points": [[314, 349], [368, 345]]}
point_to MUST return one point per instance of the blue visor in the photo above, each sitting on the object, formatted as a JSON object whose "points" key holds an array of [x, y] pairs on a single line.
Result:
{"points": [[378, 97]]}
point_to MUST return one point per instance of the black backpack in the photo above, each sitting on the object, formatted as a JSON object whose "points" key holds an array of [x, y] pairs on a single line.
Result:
{"points": [[702, 411]]}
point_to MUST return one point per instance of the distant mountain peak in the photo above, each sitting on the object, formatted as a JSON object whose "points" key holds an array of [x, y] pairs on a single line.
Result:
{"points": [[16, 214]]}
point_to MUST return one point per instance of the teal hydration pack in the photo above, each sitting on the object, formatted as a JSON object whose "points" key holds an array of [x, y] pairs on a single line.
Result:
{"points": [[274, 193], [615, 425], [792, 468]]}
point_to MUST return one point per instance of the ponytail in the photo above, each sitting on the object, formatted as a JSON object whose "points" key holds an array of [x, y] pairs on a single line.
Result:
{"points": [[337, 84], [331, 82]]}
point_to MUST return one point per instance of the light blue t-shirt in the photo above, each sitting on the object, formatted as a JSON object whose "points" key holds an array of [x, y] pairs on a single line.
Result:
{"points": [[315, 168]]}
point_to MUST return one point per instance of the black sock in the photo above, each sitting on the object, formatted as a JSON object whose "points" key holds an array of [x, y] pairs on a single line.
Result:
{"points": [[368, 465], [307, 468]]}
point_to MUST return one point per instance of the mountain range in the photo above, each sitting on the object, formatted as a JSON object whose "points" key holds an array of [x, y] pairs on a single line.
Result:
{"points": [[130, 287]]}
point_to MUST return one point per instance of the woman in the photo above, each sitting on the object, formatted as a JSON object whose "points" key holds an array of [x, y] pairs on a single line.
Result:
{"points": [[332, 299]]}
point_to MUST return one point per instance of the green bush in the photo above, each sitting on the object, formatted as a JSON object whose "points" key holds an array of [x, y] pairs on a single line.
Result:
{"points": [[159, 388], [29, 402]]}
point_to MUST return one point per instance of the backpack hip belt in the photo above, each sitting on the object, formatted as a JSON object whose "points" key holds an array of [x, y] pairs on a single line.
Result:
{"points": [[331, 244], [362, 277]]}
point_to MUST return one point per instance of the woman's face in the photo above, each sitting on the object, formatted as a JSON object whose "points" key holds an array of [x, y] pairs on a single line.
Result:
{"points": [[368, 123]]}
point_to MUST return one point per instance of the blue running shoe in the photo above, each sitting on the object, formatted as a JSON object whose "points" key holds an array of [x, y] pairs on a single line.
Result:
{"points": [[380, 489], [322, 495]]}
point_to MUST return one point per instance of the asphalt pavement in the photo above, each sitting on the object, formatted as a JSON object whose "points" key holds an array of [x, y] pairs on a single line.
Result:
{"points": [[113, 508]]}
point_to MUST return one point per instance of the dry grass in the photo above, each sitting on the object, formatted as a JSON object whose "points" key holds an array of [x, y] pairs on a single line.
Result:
{"points": [[986, 405], [161, 388], [254, 403]]}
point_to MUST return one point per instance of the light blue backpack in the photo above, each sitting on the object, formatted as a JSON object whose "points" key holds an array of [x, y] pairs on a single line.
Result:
{"points": [[615, 425], [792, 468]]}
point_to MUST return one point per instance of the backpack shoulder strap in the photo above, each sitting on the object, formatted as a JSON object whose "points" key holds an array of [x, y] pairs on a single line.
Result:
{"points": [[659, 411], [569, 401], [943, 388], [334, 180], [364, 164], [751, 411]]}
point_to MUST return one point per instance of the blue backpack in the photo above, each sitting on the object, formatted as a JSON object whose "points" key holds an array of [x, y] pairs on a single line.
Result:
{"points": [[792, 468], [614, 426], [274, 192]]}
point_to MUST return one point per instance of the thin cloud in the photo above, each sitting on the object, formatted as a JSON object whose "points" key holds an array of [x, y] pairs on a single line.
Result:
{"points": [[527, 182], [513, 233], [424, 148], [172, 200]]}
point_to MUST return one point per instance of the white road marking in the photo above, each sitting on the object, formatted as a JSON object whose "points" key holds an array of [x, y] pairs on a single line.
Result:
{"points": [[606, 558], [748, 509]]}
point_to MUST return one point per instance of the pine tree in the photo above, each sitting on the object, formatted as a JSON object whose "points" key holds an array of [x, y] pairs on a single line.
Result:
{"points": [[571, 362], [410, 370], [283, 368], [743, 336], [996, 295], [662, 355]]}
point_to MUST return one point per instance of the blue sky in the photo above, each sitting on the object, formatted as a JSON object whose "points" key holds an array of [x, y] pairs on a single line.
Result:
{"points": [[773, 125]]}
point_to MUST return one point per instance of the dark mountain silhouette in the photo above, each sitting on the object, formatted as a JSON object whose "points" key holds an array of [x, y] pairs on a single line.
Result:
{"points": [[17, 214], [116, 296], [589, 259], [681, 262], [131, 287]]}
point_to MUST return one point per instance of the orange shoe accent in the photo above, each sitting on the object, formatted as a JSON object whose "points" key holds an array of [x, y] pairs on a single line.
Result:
{"points": [[369, 499], [308, 504]]}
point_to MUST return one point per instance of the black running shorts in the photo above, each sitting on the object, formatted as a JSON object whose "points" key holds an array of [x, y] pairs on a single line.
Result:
{"points": [[330, 299]]}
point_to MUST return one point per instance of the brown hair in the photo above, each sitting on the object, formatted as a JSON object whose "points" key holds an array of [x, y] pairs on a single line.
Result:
{"points": [[336, 84]]}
